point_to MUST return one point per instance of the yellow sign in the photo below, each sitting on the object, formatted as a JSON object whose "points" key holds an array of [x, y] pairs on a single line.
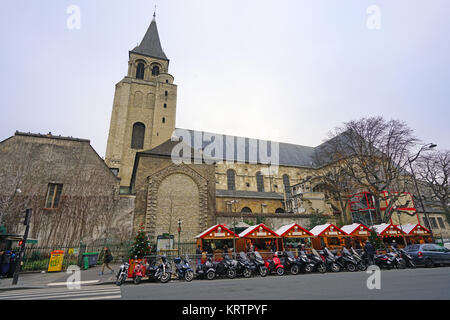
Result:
{"points": [[70, 251], [56, 261]]}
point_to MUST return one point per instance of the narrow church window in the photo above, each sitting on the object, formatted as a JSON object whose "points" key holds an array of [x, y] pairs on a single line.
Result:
{"points": [[260, 181], [286, 183], [166, 93], [140, 71], [163, 120], [231, 176], [53, 195], [155, 71], [137, 138], [165, 105]]}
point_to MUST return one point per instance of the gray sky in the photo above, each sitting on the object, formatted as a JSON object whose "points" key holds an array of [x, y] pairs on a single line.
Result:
{"points": [[286, 71]]}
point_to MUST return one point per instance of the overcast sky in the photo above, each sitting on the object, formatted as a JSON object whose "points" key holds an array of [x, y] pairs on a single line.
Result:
{"points": [[287, 71]]}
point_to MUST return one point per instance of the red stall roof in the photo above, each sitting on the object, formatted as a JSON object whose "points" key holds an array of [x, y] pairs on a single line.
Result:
{"points": [[259, 230], [294, 229], [217, 231]]}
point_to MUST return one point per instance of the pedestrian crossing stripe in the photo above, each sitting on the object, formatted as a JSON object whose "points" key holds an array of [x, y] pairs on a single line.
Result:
{"points": [[90, 293]]}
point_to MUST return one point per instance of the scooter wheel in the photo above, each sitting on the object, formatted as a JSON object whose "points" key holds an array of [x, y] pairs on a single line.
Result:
{"points": [[335, 268], [280, 271], [295, 269], [188, 276], [322, 268], [263, 271], [231, 273], [351, 267], [247, 273], [308, 269], [210, 275], [137, 279], [165, 277], [362, 266]]}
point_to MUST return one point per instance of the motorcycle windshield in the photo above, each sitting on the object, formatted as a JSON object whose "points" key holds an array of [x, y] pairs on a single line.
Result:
{"points": [[329, 253], [354, 252], [346, 252], [243, 256], [314, 251], [258, 256], [290, 254]]}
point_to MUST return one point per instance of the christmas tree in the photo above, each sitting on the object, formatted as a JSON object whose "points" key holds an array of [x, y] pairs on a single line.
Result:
{"points": [[141, 246], [375, 239]]}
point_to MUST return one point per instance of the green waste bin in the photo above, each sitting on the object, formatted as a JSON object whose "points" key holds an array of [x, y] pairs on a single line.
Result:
{"points": [[89, 259]]}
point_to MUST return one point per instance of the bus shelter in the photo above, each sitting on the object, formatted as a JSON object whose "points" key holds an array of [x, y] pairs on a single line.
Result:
{"points": [[416, 234], [358, 232], [294, 236], [217, 240], [262, 239], [328, 235], [389, 233]]}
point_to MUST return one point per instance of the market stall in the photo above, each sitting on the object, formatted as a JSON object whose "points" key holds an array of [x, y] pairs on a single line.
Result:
{"points": [[389, 233], [416, 234], [261, 238], [328, 235], [294, 236], [217, 240], [358, 232]]}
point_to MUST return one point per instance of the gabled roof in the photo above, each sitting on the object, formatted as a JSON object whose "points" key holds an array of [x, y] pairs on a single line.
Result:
{"points": [[285, 229], [409, 228], [250, 229], [151, 45], [213, 228], [318, 230], [351, 228], [382, 228]]}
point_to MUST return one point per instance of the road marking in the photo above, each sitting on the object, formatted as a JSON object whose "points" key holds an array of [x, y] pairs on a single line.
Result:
{"points": [[72, 283], [85, 293]]}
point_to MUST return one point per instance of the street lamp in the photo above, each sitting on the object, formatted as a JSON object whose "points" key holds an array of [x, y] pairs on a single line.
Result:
{"points": [[179, 233], [424, 148]]}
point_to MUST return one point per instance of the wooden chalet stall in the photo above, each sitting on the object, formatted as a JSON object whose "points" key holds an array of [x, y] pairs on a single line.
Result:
{"points": [[416, 234], [389, 233], [262, 238], [328, 235], [294, 236], [217, 240], [358, 232]]}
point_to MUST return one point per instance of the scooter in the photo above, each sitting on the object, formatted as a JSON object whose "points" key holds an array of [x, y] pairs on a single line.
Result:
{"points": [[330, 260], [347, 261], [183, 269], [243, 265], [225, 268], [399, 262], [122, 274], [306, 265], [384, 261], [138, 272], [161, 272], [362, 266], [317, 261], [408, 259], [275, 265], [256, 263], [289, 262], [206, 270]]}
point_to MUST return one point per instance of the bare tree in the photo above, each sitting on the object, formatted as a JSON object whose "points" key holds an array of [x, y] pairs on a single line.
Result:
{"points": [[433, 171], [373, 154]]}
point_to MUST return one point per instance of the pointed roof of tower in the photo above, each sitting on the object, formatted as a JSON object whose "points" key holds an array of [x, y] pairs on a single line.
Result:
{"points": [[151, 45]]}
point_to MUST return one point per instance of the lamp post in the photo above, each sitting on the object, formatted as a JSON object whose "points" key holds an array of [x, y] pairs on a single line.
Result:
{"points": [[179, 234], [425, 147], [233, 203]]}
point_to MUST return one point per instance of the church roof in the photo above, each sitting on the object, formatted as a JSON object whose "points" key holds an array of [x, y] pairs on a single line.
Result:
{"points": [[151, 45]]}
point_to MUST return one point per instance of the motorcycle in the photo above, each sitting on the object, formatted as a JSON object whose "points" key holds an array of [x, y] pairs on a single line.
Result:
{"points": [[317, 261], [289, 262], [330, 260], [384, 261], [408, 259], [362, 265], [275, 265], [256, 263], [122, 274], [243, 265], [138, 272], [305, 264], [399, 262], [347, 261], [183, 269], [161, 272], [225, 267], [206, 270]]}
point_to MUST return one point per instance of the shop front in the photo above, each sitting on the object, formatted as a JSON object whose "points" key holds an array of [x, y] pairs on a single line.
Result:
{"points": [[390, 233], [328, 235], [359, 234], [260, 238], [294, 236], [416, 234], [217, 240]]}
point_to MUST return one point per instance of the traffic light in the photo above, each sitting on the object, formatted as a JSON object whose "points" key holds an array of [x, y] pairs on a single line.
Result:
{"points": [[20, 243]]}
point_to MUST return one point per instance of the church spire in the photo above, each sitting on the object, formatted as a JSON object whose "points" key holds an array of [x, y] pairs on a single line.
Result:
{"points": [[151, 45]]}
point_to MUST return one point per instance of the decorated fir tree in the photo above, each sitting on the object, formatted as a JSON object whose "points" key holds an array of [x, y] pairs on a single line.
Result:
{"points": [[141, 246], [375, 239]]}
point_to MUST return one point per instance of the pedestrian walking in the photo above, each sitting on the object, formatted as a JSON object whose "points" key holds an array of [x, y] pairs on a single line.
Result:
{"points": [[107, 258], [370, 251]]}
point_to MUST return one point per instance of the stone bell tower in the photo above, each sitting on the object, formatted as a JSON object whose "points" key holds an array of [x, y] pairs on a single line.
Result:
{"points": [[144, 108]]}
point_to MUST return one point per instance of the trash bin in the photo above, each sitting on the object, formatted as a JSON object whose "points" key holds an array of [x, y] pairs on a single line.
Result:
{"points": [[89, 259]]}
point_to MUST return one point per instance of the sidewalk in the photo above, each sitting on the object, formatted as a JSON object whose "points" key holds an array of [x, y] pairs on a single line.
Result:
{"points": [[54, 279]]}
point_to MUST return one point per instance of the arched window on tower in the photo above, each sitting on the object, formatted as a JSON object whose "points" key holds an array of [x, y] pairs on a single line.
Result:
{"points": [[231, 179], [260, 181], [155, 71], [137, 138], [140, 70]]}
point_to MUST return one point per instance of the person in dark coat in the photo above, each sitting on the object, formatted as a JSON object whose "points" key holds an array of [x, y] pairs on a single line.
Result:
{"points": [[107, 258], [6, 260], [370, 251]]}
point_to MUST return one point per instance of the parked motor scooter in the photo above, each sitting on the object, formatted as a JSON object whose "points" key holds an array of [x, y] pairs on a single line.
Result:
{"points": [[275, 265], [183, 269], [122, 274], [225, 268], [138, 272], [256, 263], [160, 272], [206, 270], [305, 263], [330, 260], [398, 261], [384, 261], [362, 265], [408, 259], [347, 261], [243, 265], [289, 262], [317, 261]]}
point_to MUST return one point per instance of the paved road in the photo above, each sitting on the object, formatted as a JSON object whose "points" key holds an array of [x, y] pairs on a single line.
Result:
{"points": [[395, 284]]}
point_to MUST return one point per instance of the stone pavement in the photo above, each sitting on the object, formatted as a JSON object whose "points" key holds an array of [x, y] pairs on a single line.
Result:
{"points": [[51, 279]]}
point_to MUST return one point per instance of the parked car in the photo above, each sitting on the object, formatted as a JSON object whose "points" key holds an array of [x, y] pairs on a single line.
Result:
{"points": [[428, 254]]}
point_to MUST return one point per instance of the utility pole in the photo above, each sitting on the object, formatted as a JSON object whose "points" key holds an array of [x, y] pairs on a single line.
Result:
{"points": [[22, 247]]}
